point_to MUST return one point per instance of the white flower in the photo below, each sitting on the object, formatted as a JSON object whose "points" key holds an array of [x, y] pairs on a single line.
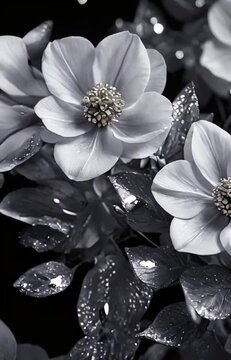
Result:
{"points": [[216, 55], [197, 192], [106, 102]]}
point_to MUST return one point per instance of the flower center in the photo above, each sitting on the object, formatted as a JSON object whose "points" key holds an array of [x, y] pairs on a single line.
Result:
{"points": [[102, 105], [222, 196]]}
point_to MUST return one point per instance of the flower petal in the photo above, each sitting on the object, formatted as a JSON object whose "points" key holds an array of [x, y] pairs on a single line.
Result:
{"points": [[225, 237], [19, 147], [67, 68], [149, 117], [122, 61], [158, 75], [209, 147], [36, 41], [89, 155], [199, 235], [142, 150], [15, 118], [182, 196], [62, 118], [219, 18], [216, 58], [16, 76]]}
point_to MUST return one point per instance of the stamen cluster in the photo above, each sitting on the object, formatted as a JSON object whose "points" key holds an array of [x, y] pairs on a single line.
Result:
{"points": [[222, 196], [102, 105]]}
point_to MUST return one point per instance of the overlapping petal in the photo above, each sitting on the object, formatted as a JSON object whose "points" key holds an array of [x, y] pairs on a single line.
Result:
{"points": [[16, 76], [62, 118], [225, 237], [209, 147], [122, 61], [219, 18], [14, 118], [216, 57], [140, 122], [158, 76], [88, 155], [201, 234], [67, 68], [181, 190]]}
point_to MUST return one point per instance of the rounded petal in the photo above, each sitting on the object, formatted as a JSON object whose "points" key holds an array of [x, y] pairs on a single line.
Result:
{"points": [[15, 118], [62, 118], [36, 41], [16, 76], [209, 147], [67, 68], [199, 235], [8, 344], [225, 237], [216, 58], [122, 61], [151, 115], [219, 18], [142, 150], [88, 155], [182, 196], [158, 75]]}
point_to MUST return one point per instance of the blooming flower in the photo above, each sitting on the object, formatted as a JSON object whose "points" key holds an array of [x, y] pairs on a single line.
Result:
{"points": [[216, 55], [197, 192], [106, 102], [22, 85]]}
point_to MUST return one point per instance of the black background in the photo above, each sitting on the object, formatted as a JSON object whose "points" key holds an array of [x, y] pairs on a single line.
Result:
{"points": [[52, 322]]}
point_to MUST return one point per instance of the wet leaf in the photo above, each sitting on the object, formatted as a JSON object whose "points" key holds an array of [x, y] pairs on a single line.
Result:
{"points": [[43, 238], [208, 289], [39, 206], [157, 268], [8, 345], [142, 211], [36, 40], [118, 347], [44, 280], [112, 284], [19, 147], [185, 112], [172, 326]]}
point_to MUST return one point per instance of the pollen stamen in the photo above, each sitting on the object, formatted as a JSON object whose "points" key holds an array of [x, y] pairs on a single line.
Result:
{"points": [[222, 196], [102, 105]]}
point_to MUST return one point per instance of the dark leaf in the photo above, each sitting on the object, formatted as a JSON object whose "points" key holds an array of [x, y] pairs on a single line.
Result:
{"points": [[208, 289], [111, 287], [157, 268], [43, 238], [204, 348], [39, 206], [8, 345], [142, 211], [185, 112], [44, 280], [118, 347], [1, 180], [42, 167], [155, 352], [172, 326]]}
